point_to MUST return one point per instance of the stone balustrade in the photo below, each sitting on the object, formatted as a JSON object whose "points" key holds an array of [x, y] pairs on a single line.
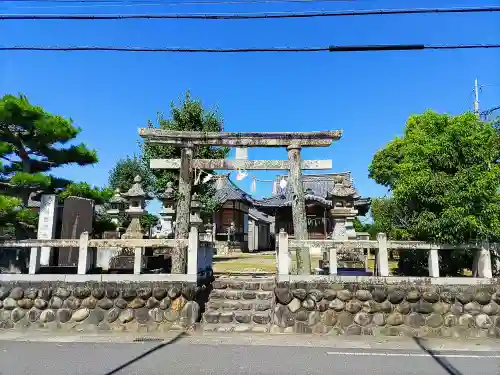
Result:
{"points": [[332, 248], [199, 250]]}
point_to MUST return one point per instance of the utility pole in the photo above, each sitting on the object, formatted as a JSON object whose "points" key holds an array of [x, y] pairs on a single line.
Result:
{"points": [[476, 97]]}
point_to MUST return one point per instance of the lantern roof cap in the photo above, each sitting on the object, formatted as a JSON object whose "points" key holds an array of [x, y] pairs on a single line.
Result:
{"points": [[117, 197]]}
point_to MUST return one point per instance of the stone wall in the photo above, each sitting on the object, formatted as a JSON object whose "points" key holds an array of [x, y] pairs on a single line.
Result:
{"points": [[384, 310], [150, 306], [240, 305]]}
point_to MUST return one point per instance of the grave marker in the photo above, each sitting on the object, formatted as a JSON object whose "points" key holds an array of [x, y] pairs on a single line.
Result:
{"points": [[78, 216]]}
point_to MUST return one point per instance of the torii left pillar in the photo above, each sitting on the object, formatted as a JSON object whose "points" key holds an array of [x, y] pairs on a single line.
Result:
{"points": [[299, 209], [179, 254]]}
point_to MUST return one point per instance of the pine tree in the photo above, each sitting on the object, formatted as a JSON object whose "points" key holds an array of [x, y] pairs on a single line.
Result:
{"points": [[32, 143]]}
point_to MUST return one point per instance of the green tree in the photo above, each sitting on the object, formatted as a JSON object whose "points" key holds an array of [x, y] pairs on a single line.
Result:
{"points": [[188, 116], [388, 218], [102, 222], [444, 181], [85, 190], [361, 227], [148, 221], [33, 142], [123, 173]]}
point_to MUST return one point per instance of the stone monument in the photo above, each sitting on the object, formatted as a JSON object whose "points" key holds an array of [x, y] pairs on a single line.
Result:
{"points": [[47, 225], [78, 217]]}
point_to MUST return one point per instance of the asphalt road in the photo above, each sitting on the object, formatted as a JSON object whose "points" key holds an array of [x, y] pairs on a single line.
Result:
{"points": [[186, 357]]}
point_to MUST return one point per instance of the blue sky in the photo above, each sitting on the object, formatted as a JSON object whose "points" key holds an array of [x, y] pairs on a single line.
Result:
{"points": [[367, 95]]}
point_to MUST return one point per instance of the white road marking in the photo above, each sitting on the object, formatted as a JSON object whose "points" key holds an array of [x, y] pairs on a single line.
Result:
{"points": [[376, 354]]}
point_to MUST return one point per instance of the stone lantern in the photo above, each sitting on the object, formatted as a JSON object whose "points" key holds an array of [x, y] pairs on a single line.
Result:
{"points": [[194, 217], [209, 230], [231, 231], [167, 214], [136, 197], [118, 204]]}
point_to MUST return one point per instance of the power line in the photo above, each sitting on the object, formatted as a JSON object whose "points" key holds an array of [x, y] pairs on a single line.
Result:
{"points": [[359, 48], [243, 16], [196, 2], [188, 2], [60, 4], [488, 112]]}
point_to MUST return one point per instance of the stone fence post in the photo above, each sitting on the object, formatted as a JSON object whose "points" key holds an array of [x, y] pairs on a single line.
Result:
{"points": [[283, 256], [34, 265], [332, 260], [84, 258], [482, 262], [194, 236], [192, 252], [382, 261], [433, 263]]}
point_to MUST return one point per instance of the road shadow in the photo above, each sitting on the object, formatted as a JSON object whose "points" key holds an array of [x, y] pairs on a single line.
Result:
{"points": [[145, 354], [443, 362]]}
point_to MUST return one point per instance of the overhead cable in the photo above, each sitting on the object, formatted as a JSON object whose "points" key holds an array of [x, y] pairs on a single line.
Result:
{"points": [[62, 4], [167, 2], [354, 48], [187, 2], [245, 16]]}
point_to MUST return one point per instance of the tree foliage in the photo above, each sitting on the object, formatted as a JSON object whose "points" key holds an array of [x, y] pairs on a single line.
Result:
{"points": [[32, 143], [85, 190], [361, 227], [148, 221], [444, 179], [188, 116], [123, 173]]}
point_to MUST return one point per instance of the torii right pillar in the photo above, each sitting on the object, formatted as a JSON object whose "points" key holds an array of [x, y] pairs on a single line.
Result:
{"points": [[299, 209]]}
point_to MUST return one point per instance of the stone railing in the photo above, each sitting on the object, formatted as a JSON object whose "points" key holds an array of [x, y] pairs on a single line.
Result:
{"points": [[199, 251], [331, 248]]}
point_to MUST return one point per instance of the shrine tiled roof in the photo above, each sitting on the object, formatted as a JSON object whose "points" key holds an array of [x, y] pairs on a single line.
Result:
{"points": [[324, 185], [283, 200], [228, 191], [258, 215], [317, 187]]}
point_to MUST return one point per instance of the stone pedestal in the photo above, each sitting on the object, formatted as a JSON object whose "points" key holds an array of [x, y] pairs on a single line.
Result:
{"points": [[134, 230], [341, 233], [339, 229], [104, 256], [167, 216], [349, 226]]}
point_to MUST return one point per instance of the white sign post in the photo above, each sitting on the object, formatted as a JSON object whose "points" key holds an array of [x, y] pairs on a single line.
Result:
{"points": [[47, 225]]}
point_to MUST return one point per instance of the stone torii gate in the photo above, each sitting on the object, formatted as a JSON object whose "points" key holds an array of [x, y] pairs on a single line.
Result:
{"points": [[293, 141]]}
